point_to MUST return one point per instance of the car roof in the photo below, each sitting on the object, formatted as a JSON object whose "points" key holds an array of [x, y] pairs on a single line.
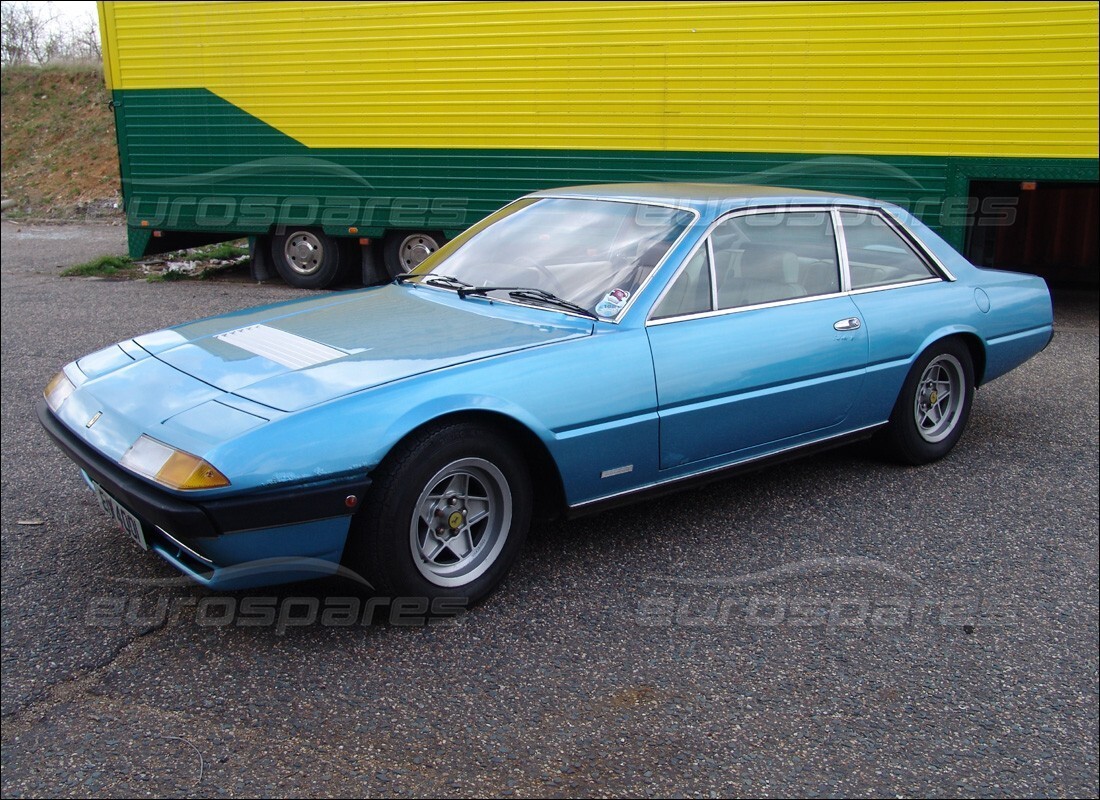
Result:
{"points": [[705, 197]]}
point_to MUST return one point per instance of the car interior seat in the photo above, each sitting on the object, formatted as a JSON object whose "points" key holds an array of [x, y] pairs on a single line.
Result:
{"points": [[760, 274], [820, 277]]}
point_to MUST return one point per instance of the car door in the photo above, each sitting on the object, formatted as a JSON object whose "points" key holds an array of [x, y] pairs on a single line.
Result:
{"points": [[754, 344]]}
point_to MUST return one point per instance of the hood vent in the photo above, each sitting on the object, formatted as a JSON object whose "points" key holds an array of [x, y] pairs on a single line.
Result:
{"points": [[288, 349]]}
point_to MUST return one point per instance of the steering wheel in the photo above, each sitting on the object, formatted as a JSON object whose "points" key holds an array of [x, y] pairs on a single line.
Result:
{"points": [[526, 262]]}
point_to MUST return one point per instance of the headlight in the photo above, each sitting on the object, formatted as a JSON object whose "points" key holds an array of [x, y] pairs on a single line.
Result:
{"points": [[172, 467], [57, 391]]}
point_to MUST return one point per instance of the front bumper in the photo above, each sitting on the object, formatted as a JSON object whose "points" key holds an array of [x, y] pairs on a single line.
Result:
{"points": [[257, 539]]}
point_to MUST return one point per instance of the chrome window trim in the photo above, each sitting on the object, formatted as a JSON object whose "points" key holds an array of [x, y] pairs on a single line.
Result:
{"points": [[627, 200], [713, 274], [885, 286], [721, 312], [915, 241], [939, 271], [706, 240], [841, 250], [656, 267]]}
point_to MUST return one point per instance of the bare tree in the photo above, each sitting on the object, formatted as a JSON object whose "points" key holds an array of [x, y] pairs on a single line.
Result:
{"points": [[84, 37], [37, 35]]}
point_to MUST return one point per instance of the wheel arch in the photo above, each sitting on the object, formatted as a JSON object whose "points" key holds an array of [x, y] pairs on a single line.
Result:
{"points": [[969, 337], [546, 481], [906, 438], [976, 347]]}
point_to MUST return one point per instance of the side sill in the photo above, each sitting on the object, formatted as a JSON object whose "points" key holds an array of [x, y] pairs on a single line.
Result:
{"points": [[672, 485]]}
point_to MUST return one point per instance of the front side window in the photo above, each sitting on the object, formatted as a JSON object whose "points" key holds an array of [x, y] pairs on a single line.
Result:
{"points": [[877, 254], [774, 256], [690, 293]]}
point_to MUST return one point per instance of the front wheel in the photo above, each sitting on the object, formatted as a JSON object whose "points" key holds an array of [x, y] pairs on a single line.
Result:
{"points": [[932, 410], [445, 517]]}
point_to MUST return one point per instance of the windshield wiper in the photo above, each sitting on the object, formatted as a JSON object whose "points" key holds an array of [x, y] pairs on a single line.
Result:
{"points": [[472, 290], [552, 299], [434, 279], [526, 293], [447, 281]]}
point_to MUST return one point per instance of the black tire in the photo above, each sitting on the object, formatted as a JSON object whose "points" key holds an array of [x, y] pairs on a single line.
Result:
{"points": [[402, 251], [308, 258], [934, 405], [389, 540]]}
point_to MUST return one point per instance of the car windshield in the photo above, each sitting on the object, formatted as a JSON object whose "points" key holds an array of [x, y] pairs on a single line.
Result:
{"points": [[594, 254]]}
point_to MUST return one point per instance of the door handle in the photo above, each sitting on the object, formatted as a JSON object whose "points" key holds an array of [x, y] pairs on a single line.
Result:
{"points": [[849, 324]]}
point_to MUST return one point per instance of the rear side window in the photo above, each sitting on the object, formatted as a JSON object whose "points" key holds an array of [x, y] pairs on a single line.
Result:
{"points": [[877, 254]]}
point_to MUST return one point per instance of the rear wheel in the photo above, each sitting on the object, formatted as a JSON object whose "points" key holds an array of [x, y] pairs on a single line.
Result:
{"points": [[446, 516], [308, 258], [934, 406]]}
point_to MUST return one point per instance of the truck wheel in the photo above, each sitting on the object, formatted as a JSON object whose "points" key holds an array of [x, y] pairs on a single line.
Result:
{"points": [[307, 258], [404, 250]]}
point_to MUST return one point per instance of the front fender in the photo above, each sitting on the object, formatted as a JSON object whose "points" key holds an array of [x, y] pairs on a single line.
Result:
{"points": [[437, 408], [591, 401]]}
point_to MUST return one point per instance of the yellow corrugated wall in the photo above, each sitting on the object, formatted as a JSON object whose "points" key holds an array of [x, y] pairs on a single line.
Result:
{"points": [[998, 79]]}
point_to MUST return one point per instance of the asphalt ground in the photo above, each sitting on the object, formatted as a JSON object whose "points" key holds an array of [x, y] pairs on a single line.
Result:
{"points": [[837, 626]]}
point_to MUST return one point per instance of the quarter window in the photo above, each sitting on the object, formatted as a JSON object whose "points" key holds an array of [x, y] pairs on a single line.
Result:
{"points": [[877, 255]]}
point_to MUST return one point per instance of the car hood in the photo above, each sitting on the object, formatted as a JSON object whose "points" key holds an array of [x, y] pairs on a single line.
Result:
{"points": [[295, 355]]}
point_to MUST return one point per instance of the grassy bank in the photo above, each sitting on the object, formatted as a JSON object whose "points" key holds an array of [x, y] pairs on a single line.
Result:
{"points": [[58, 153]]}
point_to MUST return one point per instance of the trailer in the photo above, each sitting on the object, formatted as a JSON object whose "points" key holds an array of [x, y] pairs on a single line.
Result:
{"points": [[353, 139]]}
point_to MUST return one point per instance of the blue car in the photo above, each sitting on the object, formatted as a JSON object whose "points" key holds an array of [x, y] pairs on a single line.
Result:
{"points": [[578, 349]]}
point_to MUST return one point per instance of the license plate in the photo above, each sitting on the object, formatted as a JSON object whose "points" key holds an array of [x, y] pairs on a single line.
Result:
{"points": [[127, 521]]}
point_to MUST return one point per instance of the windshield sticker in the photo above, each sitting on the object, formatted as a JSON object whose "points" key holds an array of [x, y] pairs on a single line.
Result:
{"points": [[612, 302]]}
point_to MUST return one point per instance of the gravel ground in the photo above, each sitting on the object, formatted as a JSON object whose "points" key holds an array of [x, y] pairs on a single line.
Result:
{"points": [[834, 627]]}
